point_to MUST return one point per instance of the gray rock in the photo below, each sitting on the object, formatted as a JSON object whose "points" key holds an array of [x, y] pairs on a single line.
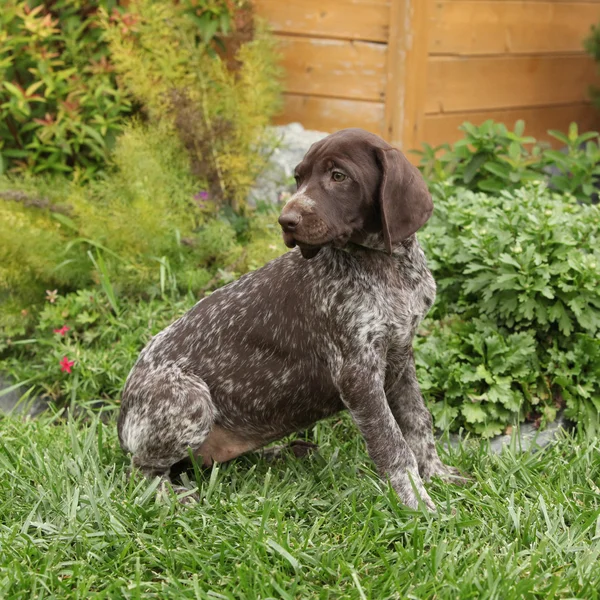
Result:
{"points": [[524, 437], [16, 400], [277, 178]]}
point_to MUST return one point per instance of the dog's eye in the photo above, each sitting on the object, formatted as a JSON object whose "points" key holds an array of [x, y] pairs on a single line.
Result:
{"points": [[297, 178], [337, 176]]}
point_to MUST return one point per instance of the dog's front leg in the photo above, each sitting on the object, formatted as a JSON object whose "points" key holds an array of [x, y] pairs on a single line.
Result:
{"points": [[363, 394], [414, 419]]}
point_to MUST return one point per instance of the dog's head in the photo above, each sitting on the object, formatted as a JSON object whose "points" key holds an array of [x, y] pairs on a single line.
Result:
{"points": [[353, 186]]}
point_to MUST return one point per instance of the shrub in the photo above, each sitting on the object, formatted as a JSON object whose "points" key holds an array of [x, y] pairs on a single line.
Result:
{"points": [[480, 376], [492, 159], [219, 113], [143, 231], [60, 107], [519, 267]]}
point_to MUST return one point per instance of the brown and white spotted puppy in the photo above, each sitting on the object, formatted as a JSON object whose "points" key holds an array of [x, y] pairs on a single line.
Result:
{"points": [[323, 328]]}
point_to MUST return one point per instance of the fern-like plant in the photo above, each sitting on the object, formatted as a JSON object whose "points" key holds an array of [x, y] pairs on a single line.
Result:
{"points": [[220, 113]]}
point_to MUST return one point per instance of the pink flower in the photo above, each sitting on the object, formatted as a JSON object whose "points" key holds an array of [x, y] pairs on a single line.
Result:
{"points": [[62, 330], [66, 364], [201, 198]]}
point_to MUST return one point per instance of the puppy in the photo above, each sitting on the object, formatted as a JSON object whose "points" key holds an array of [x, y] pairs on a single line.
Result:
{"points": [[324, 328]]}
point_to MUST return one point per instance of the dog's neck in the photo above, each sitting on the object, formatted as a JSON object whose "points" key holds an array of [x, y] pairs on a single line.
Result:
{"points": [[375, 241]]}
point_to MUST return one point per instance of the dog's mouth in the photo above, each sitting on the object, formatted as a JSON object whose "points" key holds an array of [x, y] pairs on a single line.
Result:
{"points": [[308, 250], [311, 249]]}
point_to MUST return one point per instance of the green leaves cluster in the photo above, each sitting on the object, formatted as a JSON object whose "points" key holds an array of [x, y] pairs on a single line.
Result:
{"points": [[102, 345], [73, 73], [60, 106], [478, 375], [518, 304], [492, 159]]}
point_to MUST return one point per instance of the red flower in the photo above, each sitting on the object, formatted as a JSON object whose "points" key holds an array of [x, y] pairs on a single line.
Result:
{"points": [[62, 330], [66, 364]]}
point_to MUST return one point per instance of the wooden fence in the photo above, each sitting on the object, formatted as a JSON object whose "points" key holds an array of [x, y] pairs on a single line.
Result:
{"points": [[414, 70]]}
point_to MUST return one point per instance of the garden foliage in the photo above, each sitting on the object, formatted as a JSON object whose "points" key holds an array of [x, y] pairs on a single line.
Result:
{"points": [[60, 106], [72, 73], [513, 335], [592, 45], [518, 306], [491, 158], [145, 230], [220, 111]]}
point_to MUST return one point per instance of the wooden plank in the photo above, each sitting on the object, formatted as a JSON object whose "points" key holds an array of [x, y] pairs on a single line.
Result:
{"points": [[538, 1], [439, 129], [456, 84], [406, 71], [331, 114], [465, 27], [346, 19], [333, 67]]}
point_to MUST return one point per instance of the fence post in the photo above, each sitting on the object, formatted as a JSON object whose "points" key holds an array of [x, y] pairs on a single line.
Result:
{"points": [[406, 83]]}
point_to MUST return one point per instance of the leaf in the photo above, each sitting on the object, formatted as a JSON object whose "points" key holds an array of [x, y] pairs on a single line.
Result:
{"points": [[507, 259], [561, 137], [547, 292], [473, 166], [13, 89], [489, 429], [558, 313], [284, 553], [499, 169], [519, 127], [514, 150], [469, 128], [64, 220], [473, 413], [491, 185]]}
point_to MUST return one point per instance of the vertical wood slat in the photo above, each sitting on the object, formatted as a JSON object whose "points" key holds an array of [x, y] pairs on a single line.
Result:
{"points": [[406, 72]]}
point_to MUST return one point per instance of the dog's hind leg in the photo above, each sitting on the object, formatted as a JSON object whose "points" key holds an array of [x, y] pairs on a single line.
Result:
{"points": [[165, 413]]}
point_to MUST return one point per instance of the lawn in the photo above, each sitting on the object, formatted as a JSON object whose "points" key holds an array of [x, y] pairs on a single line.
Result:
{"points": [[73, 526]]}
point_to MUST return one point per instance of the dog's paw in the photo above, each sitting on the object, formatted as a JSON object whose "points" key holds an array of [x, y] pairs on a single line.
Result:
{"points": [[411, 491], [446, 473], [184, 496]]}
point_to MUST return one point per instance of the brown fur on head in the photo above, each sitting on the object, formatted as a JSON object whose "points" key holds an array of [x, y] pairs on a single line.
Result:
{"points": [[351, 185]]}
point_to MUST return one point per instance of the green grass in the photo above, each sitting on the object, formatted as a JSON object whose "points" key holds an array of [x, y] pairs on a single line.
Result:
{"points": [[73, 526]]}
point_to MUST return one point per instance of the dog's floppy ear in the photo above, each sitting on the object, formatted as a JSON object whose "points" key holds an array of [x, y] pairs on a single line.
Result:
{"points": [[404, 200]]}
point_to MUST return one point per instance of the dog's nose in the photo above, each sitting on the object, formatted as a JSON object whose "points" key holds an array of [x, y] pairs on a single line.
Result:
{"points": [[289, 220]]}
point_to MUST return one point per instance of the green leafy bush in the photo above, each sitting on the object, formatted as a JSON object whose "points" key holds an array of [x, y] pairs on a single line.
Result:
{"points": [[520, 266], [479, 376], [493, 159], [525, 258], [60, 107], [72, 72]]}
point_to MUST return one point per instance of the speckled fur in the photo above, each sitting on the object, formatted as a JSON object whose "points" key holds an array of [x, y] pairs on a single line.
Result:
{"points": [[300, 340]]}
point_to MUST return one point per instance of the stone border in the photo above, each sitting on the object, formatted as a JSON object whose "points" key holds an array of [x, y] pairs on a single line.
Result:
{"points": [[528, 436]]}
